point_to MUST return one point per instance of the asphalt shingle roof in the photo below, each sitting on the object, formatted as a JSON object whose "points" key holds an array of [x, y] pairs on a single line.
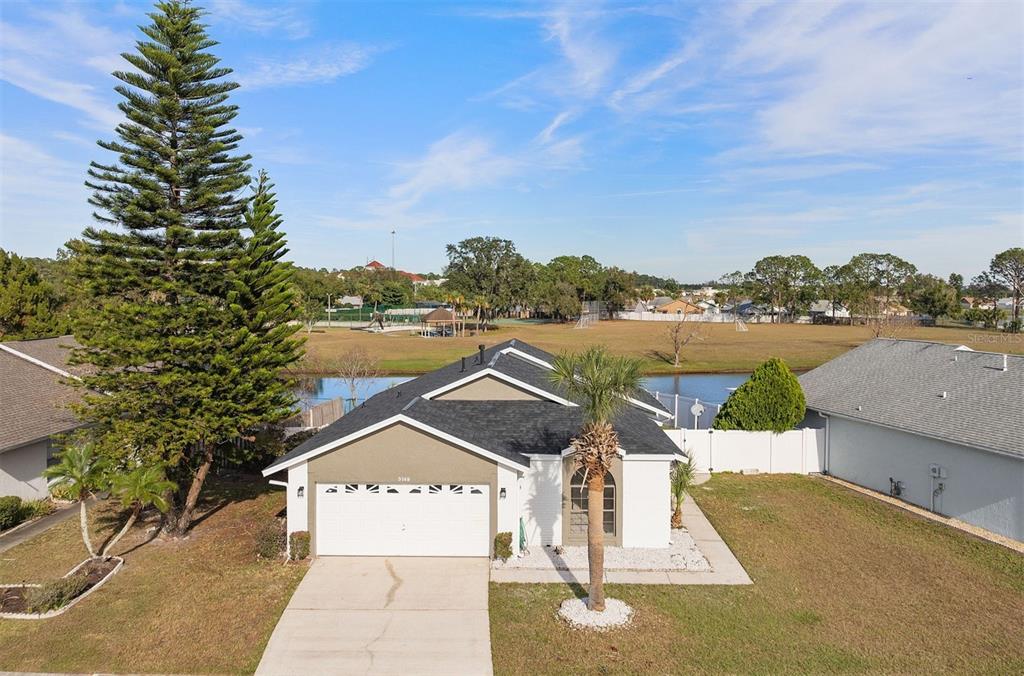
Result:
{"points": [[508, 428], [900, 384], [34, 400]]}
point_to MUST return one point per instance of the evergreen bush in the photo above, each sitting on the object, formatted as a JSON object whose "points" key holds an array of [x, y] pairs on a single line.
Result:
{"points": [[299, 545], [503, 545], [55, 594], [11, 512], [770, 401]]}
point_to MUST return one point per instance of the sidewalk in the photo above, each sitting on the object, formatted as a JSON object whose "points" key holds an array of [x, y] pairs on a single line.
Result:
{"points": [[19, 534]]}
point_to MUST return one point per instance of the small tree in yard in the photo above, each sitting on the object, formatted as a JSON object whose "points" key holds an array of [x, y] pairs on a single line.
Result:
{"points": [[682, 334], [602, 383], [142, 487], [680, 479], [355, 366], [770, 401], [80, 471]]}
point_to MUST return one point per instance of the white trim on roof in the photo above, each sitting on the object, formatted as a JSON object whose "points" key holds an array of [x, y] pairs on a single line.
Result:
{"points": [[500, 376], [37, 362], [540, 362], [387, 422], [978, 447]]}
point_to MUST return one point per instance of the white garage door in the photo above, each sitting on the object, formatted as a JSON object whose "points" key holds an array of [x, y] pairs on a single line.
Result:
{"points": [[402, 520]]}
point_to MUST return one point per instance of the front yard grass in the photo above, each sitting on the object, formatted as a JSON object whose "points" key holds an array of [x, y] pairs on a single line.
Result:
{"points": [[842, 582], [199, 605]]}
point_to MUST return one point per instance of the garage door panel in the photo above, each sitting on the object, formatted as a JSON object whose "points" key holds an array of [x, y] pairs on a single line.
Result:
{"points": [[403, 519]]}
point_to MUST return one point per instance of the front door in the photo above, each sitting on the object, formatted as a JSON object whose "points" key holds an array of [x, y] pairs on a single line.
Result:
{"points": [[578, 502]]}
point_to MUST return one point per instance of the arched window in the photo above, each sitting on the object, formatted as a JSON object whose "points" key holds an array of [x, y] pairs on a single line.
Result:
{"points": [[578, 504]]}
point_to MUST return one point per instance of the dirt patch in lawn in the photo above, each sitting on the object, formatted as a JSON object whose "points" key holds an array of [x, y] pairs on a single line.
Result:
{"points": [[842, 582], [203, 604]]}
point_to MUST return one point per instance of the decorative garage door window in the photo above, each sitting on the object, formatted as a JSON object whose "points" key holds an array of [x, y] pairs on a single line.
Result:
{"points": [[403, 520], [578, 503]]}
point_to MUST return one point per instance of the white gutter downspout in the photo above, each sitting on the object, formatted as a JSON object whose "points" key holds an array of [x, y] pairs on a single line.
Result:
{"points": [[828, 444]]}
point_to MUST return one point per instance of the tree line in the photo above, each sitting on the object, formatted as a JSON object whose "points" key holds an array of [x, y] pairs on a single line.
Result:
{"points": [[877, 284]]}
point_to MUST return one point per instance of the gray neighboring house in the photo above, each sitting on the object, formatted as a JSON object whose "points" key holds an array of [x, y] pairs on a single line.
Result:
{"points": [[34, 403], [938, 425]]}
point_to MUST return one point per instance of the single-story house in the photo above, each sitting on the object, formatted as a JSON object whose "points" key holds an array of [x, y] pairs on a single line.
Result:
{"points": [[937, 425], [826, 308], [35, 402], [679, 307], [657, 302], [439, 465]]}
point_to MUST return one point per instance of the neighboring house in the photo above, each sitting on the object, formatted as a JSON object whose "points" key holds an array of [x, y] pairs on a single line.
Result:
{"points": [[657, 302], [439, 465], [377, 266], [826, 308], [679, 307], [941, 426], [352, 301], [34, 409], [709, 307]]}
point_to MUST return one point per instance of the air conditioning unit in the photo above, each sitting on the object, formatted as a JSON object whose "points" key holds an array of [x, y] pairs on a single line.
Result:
{"points": [[937, 471]]}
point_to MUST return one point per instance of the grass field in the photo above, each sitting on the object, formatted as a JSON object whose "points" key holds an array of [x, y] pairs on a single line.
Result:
{"points": [[802, 346], [200, 605], [842, 582]]}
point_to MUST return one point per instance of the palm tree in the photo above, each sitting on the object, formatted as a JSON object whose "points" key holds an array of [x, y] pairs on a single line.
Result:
{"points": [[601, 383], [81, 472], [138, 489], [681, 479]]}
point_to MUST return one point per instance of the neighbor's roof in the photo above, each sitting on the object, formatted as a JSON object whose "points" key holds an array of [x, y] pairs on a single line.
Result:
{"points": [[900, 384], [33, 399], [511, 429]]}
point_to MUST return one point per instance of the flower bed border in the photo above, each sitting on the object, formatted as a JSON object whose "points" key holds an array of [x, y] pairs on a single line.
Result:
{"points": [[60, 611]]}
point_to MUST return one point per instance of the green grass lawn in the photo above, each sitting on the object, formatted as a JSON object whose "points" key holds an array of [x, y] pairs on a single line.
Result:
{"points": [[204, 604], [842, 582]]}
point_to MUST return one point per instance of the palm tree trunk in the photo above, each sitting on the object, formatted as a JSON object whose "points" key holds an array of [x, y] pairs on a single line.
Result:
{"points": [[121, 533], [595, 540], [84, 522], [677, 515]]}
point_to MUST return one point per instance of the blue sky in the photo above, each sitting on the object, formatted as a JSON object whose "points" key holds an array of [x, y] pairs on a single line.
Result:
{"points": [[684, 139]]}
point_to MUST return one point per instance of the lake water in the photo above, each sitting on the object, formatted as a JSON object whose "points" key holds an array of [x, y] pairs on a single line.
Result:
{"points": [[709, 387]]}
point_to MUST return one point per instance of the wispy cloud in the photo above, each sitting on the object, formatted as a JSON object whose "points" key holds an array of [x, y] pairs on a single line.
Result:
{"points": [[263, 18], [323, 65]]}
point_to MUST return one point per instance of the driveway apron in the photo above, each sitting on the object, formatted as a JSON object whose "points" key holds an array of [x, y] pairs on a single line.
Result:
{"points": [[385, 615]]}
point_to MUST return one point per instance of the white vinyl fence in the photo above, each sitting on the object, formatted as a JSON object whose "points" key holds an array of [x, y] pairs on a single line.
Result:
{"points": [[797, 451], [683, 409]]}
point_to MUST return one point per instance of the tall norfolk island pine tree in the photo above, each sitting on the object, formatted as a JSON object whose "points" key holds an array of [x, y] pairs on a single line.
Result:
{"points": [[186, 325]]}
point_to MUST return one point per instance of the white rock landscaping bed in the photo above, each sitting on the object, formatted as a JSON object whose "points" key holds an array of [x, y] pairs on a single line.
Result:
{"points": [[615, 614], [682, 554]]}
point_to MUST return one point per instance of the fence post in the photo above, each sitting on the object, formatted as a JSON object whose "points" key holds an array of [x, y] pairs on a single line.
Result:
{"points": [[677, 410]]}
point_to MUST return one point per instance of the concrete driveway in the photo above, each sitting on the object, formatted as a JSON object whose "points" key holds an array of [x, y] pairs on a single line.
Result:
{"points": [[385, 615]]}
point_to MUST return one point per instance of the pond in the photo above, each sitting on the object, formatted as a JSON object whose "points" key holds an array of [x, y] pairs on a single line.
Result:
{"points": [[709, 387]]}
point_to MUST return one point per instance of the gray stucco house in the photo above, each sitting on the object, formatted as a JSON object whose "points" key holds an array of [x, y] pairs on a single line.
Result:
{"points": [[439, 465], [33, 409], [937, 425]]}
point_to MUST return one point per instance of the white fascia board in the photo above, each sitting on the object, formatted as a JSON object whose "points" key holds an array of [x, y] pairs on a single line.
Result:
{"points": [[37, 362], [387, 422], [528, 357], [275, 482], [662, 457], [503, 377], [544, 364], [569, 451]]}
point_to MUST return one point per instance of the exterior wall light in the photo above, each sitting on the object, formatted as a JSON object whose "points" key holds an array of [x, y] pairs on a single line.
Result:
{"points": [[301, 491], [502, 493]]}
